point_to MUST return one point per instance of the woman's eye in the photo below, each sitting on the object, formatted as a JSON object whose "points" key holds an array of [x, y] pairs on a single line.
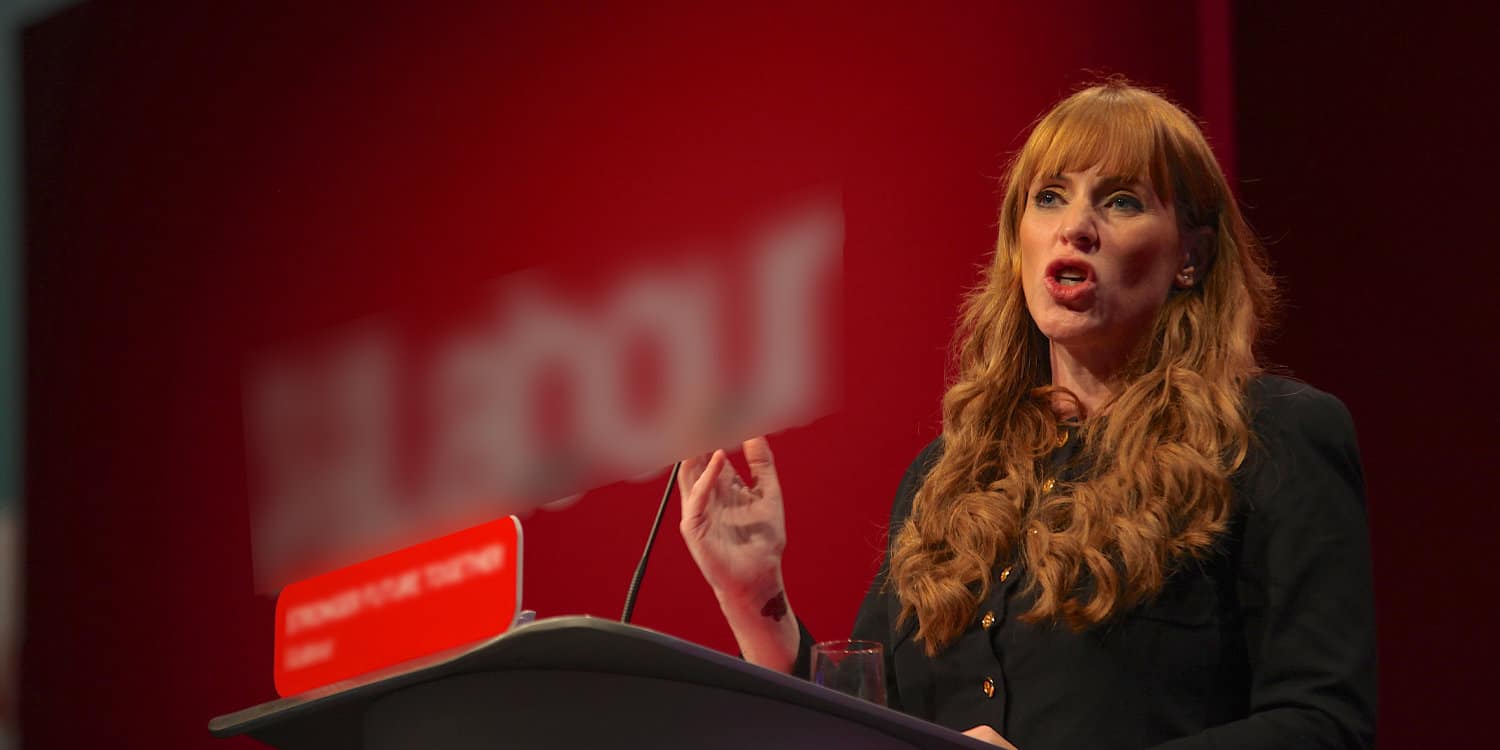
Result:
{"points": [[1047, 199], [1125, 202]]}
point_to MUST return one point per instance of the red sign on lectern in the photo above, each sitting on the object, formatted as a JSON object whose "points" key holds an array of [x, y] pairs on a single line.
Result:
{"points": [[447, 592]]}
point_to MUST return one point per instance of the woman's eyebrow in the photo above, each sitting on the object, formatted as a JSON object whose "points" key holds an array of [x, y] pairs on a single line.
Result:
{"points": [[1114, 182], [1142, 187]]}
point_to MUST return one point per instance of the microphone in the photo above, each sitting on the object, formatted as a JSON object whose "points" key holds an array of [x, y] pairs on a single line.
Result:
{"points": [[640, 570]]}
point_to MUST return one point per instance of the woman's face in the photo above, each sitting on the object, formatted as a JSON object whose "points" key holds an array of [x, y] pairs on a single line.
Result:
{"points": [[1098, 256]]}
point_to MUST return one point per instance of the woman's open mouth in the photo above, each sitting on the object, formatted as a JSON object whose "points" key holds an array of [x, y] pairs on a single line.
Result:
{"points": [[1070, 281]]}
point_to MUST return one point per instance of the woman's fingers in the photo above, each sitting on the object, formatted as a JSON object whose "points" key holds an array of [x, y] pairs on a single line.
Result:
{"points": [[988, 734], [700, 479], [696, 497], [762, 464], [688, 473]]}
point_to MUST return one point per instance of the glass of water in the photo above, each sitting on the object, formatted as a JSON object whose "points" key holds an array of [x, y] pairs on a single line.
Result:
{"points": [[853, 667]]}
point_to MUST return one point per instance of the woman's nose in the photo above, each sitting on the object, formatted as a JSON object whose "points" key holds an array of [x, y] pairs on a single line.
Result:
{"points": [[1077, 228]]}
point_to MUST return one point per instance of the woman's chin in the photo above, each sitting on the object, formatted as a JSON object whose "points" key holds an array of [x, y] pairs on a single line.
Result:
{"points": [[1068, 328]]}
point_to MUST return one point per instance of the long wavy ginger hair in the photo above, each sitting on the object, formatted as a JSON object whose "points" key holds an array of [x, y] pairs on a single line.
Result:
{"points": [[1161, 451]]}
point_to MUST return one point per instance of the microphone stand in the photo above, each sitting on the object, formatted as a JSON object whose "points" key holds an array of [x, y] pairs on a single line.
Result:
{"points": [[640, 570]]}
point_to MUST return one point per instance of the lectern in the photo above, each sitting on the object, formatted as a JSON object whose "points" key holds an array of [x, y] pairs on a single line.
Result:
{"points": [[582, 682]]}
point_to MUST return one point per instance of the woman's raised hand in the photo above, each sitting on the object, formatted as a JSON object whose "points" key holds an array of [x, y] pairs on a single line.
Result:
{"points": [[736, 533]]}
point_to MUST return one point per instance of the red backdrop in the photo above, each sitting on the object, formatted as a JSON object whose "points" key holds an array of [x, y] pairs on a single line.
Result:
{"points": [[206, 182], [1365, 157]]}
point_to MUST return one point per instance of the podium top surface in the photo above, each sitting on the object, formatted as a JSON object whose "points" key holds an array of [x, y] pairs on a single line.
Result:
{"points": [[582, 644]]}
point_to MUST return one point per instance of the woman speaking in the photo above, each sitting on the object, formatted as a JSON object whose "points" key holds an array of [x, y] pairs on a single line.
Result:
{"points": [[1127, 536]]}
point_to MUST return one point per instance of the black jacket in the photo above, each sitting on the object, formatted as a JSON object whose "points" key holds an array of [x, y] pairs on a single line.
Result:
{"points": [[1268, 644]]}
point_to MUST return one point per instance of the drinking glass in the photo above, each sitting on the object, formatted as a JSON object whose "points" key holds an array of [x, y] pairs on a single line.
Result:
{"points": [[853, 667]]}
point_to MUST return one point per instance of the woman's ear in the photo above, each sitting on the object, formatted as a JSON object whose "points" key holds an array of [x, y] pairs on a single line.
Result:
{"points": [[1195, 244]]}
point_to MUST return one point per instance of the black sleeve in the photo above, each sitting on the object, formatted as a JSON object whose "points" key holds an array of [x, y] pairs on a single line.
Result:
{"points": [[873, 623], [802, 667], [1304, 584]]}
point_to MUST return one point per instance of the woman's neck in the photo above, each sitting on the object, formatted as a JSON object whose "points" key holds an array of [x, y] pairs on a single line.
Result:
{"points": [[1087, 374]]}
